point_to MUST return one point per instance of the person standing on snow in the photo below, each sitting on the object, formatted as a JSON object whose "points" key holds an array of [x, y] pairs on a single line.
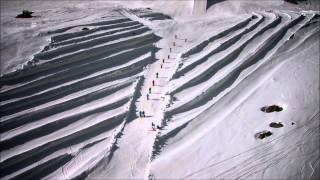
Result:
{"points": [[149, 90], [153, 126], [147, 96], [152, 82], [157, 75]]}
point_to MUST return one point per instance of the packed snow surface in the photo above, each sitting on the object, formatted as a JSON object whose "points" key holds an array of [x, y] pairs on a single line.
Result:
{"points": [[232, 88]]}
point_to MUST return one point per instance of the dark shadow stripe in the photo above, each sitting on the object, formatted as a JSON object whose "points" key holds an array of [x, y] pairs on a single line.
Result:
{"points": [[32, 156]]}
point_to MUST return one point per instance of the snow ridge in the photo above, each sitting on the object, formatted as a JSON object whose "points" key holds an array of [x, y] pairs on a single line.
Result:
{"points": [[63, 116]]}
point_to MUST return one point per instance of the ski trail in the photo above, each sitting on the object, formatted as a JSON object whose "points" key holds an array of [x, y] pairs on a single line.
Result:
{"points": [[166, 65], [136, 144]]}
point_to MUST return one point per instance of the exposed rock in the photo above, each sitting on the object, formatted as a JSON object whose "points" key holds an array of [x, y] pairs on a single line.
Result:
{"points": [[25, 14], [273, 108], [276, 124], [263, 134]]}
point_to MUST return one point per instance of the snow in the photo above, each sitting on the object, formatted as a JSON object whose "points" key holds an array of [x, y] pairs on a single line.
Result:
{"points": [[60, 116], [18, 34], [70, 98], [253, 122]]}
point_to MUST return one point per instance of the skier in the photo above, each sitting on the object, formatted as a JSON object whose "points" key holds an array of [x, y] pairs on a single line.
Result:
{"points": [[157, 75], [147, 96], [140, 114], [153, 126], [170, 49], [143, 114], [162, 60], [152, 82], [149, 90], [168, 56], [161, 66]]}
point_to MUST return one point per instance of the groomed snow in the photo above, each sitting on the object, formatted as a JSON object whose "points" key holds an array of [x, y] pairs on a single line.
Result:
{"points": [[76, 77]]}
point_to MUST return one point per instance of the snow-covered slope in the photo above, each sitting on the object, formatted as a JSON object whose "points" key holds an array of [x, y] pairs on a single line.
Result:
{"points": [[75, 78], [75, 100], [212, 120]]}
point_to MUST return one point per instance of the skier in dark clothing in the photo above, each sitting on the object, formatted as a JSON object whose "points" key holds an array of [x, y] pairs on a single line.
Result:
{"points": [[157, 75], [147, 96], [168, 56], [140, 114], [153, 126], [161, 66], [143, 114], [162, 60], [149, 90], [152, 82]]}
